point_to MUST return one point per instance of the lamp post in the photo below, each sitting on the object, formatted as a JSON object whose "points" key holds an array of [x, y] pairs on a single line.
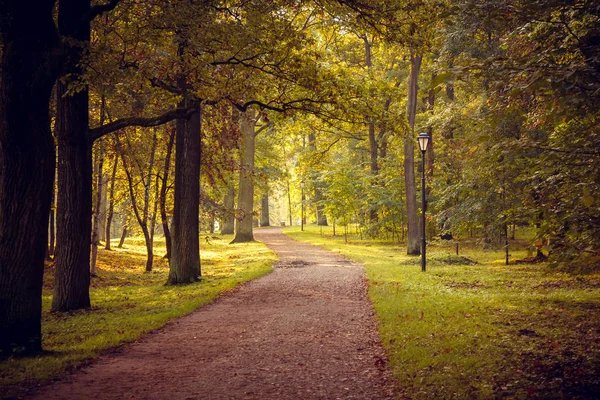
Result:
{"points": [[423, 142], [302, 207]]}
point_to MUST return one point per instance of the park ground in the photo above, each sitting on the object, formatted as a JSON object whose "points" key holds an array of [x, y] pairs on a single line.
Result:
{"points": [[469, 327]]}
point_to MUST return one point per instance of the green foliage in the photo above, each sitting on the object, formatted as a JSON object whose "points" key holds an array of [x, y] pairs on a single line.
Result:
{"points": [[479, 331], [128, 303]]}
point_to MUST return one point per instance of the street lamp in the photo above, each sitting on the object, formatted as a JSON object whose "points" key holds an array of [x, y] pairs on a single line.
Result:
{"points": [[302, 203], [423, 142]]}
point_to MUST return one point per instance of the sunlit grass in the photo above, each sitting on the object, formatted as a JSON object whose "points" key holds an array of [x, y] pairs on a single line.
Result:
{"points": [[479, 331], [128, 302]]}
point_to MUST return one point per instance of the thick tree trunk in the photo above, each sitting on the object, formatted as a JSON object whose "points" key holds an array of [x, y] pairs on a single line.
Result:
{"points": [[243, 228], [28, 72], [111, 202], [185, 256], [74, 208], [163, 194], [264, 210], [228, 222], [409, 159]]}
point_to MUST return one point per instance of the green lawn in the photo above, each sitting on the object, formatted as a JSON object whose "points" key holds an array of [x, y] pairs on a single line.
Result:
{"points": [[479, 331], [128, 302]]}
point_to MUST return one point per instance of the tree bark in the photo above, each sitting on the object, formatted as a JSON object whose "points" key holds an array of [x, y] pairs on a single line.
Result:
{"points": [[111, 202], [163, 194], [185, 257], [229, 218], [409, 159], [74, 208], [243, 228], [29, 67]]}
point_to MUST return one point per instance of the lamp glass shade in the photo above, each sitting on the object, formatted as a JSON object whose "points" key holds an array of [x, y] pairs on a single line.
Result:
{"points": [[301, 184], [423, 141]]}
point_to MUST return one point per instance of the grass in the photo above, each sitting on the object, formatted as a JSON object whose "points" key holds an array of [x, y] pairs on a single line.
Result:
{"points": [[479, 331], [128, 302]]}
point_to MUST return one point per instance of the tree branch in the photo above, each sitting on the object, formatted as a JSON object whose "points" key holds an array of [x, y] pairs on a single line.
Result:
{"points": [[177, 113]]}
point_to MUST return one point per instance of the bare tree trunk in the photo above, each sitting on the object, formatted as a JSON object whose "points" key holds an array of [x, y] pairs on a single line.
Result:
{"points": [[229, 218], [243, 229], [111, 202], [409, 159]]}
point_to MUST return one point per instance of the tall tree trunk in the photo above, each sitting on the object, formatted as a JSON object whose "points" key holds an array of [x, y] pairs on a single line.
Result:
{"points": [[243, 228], [28, 71], [228, 222], [111, 202], [96, 214], [163, 193], [185, 256], [409, 159], [264, 210], [72, 276]]}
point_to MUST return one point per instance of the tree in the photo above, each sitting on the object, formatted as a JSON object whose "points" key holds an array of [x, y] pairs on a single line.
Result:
{"points": [[243, 228], [29, 66], [185, 257]]}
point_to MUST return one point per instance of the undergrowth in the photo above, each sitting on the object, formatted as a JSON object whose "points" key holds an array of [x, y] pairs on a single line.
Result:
{"points": [[128, 302], [471, 327]]}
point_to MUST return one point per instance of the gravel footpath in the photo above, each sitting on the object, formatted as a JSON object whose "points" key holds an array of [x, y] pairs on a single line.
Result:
{"points": [[305, 331]]}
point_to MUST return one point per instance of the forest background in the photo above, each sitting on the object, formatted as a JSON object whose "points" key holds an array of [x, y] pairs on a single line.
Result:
{"points": [[158, 116]]}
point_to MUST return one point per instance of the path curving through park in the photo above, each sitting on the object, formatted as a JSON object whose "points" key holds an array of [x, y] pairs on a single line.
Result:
{"points": [[305, 331]]}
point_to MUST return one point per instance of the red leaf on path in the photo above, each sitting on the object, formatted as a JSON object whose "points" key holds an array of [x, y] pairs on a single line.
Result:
{"points": [[530, 392]]}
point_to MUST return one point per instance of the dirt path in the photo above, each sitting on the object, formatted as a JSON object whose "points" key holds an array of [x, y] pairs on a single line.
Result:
{"points": [[306, 331]]}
